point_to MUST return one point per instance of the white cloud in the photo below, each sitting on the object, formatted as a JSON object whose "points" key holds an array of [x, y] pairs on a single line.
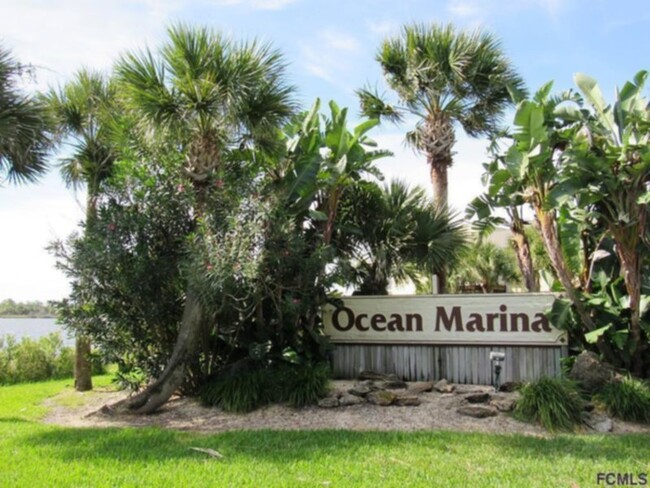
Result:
{"points": [[330, 54], [463, 9], [383, 27], [257, 4], [60, 36], [340, 41], [552, 7]]}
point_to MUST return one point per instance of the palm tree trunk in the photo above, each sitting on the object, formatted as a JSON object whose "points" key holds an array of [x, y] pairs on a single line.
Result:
{"points": [[440, 195], [439, 183], [83, 372]]}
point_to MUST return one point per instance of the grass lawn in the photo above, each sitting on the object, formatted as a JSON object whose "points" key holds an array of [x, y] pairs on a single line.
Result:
{"points": [[34, 455]]}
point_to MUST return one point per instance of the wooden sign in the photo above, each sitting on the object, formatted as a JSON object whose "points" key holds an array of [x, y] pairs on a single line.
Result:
{"points": [[496, 319]]}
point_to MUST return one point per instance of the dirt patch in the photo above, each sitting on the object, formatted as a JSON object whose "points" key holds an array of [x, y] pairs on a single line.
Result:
{"points": [[436, 412]]}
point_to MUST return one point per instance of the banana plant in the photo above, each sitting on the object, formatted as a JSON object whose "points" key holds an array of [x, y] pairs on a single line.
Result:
{"points": [[504, 193], [528, 172], [607, 163], [324, 157]]}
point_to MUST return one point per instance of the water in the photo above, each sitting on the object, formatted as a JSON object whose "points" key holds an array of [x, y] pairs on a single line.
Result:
{"points": [[33, 328]]}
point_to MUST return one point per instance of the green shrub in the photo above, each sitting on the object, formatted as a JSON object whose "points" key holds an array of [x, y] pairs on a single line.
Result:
{"points": [[130, 378], [301, 384], [628, 399], [554, 403], [238, 389], [245, 387], [34, 359]]}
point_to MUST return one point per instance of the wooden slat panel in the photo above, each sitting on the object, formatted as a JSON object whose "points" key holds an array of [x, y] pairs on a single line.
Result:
{"points": [[458, 364]]}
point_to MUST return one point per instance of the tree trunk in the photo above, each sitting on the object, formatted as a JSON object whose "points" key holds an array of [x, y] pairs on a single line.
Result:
{"points": [[440, 201], [83, 374], [548, 227], [631, 268], [185, 350], [83, 371], [439, 184], [438, 140], [525, 259]]}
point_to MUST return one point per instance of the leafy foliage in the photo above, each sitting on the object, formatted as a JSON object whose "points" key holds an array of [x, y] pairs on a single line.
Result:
{"points": [[393, 232], [628, 399], [25, 137], [583, 167], [553, 402], [485, 265], [34, 359], [248, 385]]}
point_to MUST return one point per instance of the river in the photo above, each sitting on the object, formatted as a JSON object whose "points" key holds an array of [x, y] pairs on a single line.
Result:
{"points": [[33, 328]]}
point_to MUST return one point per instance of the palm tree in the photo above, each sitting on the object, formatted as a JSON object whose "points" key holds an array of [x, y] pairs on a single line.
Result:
{"points": [[24, 136], [396, 235], [487, 266], [210, 98], [443, 77], [84, 112]]}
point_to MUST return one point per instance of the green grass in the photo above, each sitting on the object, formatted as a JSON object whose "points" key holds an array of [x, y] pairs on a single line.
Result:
{"points": [[34, 455]]}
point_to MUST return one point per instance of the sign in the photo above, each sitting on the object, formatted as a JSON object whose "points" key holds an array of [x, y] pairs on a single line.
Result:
{"points": [[496, 319]]}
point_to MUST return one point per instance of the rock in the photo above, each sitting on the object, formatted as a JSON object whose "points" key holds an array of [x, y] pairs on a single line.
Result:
{"points": [[348, 400], [478, 397], [599, 423], [371, 375], [588, 407], [477, 411], [504, 404], [466, 389], [381, 397], [328, 402], [407, 401], [420, 387], [443, 386], [393, 385], [510, 386], [360, 390], [590, 372]]}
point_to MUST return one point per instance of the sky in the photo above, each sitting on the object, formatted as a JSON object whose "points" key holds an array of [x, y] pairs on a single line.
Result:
{"points": [[329, 47]]}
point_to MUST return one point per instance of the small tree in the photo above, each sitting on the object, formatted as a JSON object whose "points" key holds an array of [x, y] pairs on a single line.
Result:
{"points": [[443, 77], [84, 112], [485, 265], [393, 233]]}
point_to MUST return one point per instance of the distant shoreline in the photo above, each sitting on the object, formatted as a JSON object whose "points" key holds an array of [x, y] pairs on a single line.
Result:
{"points": [[27, 316]]}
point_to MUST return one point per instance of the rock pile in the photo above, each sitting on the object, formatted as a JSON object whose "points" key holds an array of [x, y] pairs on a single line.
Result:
{"points": [[389, 390], [378, 389], [476, 401]]}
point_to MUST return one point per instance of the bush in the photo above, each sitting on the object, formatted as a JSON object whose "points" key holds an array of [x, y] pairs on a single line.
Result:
{"points": [[34, 359], [628, 399], [238, 389], [301, 384], [554, 403], [247, 386]]}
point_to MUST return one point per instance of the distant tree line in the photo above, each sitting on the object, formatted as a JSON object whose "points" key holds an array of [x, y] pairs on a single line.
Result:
{"points": [[10, 308]]}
